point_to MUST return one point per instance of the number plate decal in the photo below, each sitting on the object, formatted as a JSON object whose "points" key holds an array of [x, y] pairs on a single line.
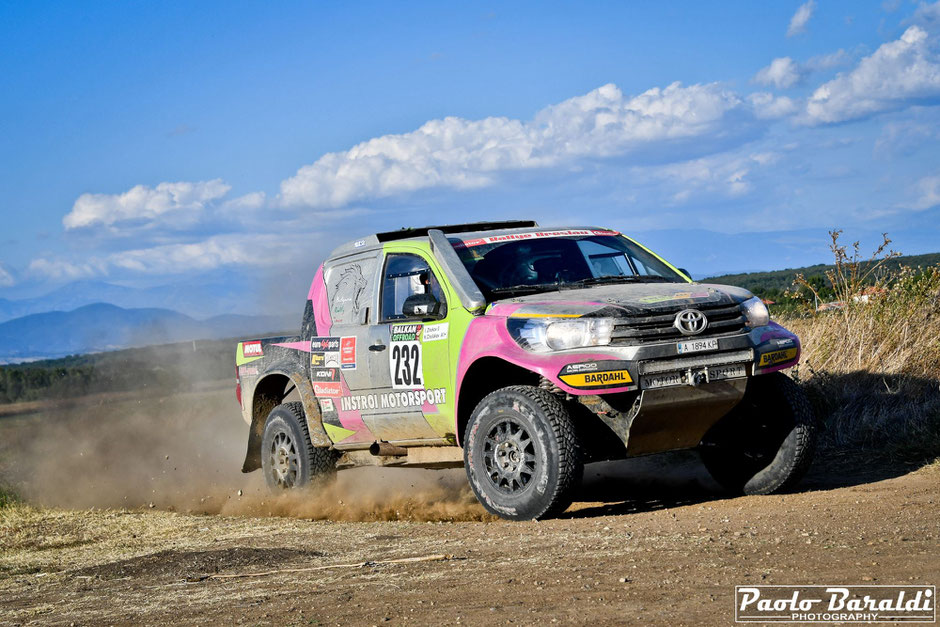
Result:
{"points": [[697, 346], [404, 357]]}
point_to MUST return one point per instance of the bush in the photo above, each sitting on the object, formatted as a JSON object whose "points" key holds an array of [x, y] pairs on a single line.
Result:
{"points": [[872, 366]]}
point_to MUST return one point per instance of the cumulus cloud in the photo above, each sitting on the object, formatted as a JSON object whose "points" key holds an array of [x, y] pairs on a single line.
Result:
{"points": [[769, 107], [142, 204], [458, 153], [896, 74], [782, 73], [244, 249], [801, 18], [254, 200]]}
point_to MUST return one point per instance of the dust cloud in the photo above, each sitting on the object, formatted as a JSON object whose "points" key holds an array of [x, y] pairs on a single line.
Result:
{"points": [[183, 452]]}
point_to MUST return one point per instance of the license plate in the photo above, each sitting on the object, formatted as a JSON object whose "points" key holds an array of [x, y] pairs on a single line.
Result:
{"points": [[697, 346]]}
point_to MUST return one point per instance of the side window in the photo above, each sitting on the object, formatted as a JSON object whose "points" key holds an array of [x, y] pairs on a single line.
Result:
{"points": [[404, 276], [349, 288]]}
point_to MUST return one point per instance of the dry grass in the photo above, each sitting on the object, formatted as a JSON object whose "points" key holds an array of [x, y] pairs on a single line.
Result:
{"points": [[872, 368]]}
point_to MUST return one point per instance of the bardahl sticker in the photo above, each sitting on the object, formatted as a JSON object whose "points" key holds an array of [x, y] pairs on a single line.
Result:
{"points": [[252, 349], [777, 357], [596, 375], [317, 360]]}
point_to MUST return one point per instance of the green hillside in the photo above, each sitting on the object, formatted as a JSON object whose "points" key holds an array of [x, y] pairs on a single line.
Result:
{"points": [[772, 285]]}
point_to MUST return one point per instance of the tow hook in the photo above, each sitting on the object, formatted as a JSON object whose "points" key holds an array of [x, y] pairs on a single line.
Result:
{"points": [[696, 379]]}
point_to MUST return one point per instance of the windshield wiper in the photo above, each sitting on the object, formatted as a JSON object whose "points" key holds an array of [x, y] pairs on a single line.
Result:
{"points": [[622, 278], [525, 287]]}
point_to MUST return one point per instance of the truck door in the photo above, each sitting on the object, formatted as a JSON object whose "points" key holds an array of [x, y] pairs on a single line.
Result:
{"points": [[408, 362]]}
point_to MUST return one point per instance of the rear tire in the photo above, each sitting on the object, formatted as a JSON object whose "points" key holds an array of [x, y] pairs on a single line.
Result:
{"points": [[766, 443], [522, 454], [288, 459]]}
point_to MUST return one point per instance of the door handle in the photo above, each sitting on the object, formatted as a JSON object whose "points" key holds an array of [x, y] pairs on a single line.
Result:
{"points": [[378, 346]]}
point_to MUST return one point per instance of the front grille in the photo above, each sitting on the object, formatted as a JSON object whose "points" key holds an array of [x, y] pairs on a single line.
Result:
{"points": [[646, 328]]}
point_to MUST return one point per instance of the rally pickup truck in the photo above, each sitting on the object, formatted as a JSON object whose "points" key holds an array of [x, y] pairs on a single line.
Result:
{"points": [[522, 353]]}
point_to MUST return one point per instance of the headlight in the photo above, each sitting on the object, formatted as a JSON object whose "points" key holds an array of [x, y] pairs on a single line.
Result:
{"points": [[547, 334], [756, 312]]}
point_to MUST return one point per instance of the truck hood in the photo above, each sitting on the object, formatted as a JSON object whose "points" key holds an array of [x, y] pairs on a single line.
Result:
{"points": [[618, 300]]}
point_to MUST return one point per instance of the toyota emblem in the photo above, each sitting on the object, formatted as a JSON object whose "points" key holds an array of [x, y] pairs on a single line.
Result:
{"points": [[690, 322]]}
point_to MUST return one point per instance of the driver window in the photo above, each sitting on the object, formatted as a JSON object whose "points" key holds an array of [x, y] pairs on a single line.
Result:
{"points": [[406, 275]]}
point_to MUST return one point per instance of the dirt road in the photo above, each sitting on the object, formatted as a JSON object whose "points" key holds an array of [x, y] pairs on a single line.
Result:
{"points": [[652, 541]]}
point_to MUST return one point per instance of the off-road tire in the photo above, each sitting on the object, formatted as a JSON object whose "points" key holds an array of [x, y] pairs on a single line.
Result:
{"points": [[548, 465], [288, 459], [766, 443]]}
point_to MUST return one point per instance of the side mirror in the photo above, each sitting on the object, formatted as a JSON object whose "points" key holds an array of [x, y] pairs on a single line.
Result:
{"points": [[421, 305]]}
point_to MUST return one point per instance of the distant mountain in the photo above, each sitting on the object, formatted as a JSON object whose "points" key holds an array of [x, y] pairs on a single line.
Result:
{"points": [[101, 327], [200, 297]]}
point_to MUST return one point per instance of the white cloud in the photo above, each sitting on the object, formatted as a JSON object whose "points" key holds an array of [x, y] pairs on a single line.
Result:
{"points": [[254, 200], [768, 107], [782, 73], [725, 176], [458, 153], [6, 279], [801, 18], [142, 204], [826, 61], [928, 193], [245, 249], [894, 75], [927, 15]]}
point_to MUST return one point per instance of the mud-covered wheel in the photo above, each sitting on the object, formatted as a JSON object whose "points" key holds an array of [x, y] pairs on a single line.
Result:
{"points": [[766, 443], [288, 459], [522, 454]]}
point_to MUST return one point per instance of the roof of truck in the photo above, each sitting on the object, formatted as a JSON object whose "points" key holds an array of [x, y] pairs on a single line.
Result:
{"points": [[465, 232]]}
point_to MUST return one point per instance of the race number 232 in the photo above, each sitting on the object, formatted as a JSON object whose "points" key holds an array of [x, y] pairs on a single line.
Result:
{"points": [[405, 364]]}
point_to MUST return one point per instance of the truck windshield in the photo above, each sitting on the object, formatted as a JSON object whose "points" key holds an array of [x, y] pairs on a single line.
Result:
{"points": [[541, 264]]}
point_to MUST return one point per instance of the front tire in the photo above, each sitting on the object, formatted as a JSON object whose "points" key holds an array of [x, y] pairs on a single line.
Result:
{"points": [[288, 459], [766, 443], [522, 454]]}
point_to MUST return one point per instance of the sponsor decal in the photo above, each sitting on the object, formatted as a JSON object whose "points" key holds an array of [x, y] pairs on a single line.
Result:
{"points": [[359, 243], [470, 243], [347, 353], [324, 352], [326, 404], [327, 389], [324, 344], [406, 332], [835, 604], [777, 357], [404, 357], [434, 332], [596, 375], [252, 349], [392, 400], [247, 371], [588, 367], [324, 374]]}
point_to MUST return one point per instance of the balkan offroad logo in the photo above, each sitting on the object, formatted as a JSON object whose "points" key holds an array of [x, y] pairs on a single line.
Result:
{"points": [[835, 604]]}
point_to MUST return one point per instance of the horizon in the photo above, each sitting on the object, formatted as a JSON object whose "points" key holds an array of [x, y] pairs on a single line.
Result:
{"points": [[729, 139]]}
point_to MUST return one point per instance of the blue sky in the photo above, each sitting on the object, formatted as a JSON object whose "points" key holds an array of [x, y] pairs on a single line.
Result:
{"points": [[146, 143]]}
